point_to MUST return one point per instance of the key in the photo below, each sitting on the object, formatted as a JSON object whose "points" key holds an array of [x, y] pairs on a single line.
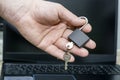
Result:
{"points": [[67, 57], [78, 37]]}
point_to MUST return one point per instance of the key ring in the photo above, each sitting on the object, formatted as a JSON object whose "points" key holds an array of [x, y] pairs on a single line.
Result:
{"points": [[69, 45], [86, 21]]}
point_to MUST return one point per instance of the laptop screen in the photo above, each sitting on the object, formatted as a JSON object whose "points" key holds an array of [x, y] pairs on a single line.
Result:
{"points": [[102, 16]]}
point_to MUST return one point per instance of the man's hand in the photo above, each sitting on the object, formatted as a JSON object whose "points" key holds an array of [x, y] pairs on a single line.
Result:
{"points": [[46, 25]]}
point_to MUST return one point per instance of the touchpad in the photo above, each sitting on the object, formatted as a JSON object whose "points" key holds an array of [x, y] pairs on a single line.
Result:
{"points": [[53, 77]]}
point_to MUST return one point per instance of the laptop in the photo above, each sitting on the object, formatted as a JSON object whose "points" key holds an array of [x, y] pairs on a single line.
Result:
{"points": [[23, 61]]}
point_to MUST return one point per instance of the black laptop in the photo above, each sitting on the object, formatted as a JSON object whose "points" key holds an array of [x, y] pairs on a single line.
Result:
{"points": [[23, 61]]}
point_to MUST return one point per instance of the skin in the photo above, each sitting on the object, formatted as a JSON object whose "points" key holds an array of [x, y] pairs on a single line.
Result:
{"points": [[46, 25]]}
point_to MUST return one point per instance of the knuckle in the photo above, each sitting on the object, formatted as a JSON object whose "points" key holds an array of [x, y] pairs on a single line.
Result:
{"points": [[59, 5], [42, 45]]}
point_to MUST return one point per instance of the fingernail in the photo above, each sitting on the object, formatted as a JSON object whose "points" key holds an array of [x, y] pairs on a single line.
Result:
{"points": [[93, 45], [83, 53]]}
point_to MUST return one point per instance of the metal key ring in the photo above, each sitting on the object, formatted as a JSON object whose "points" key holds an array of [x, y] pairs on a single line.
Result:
{"points": [[86, 21], [69, 45]]}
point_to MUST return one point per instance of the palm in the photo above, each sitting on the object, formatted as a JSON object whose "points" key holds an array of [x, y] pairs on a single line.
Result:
{"points": [[50, 35], [46, 26]]}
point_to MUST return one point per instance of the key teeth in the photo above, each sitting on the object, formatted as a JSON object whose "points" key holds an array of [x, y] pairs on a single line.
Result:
{"points": [[66, 66]]}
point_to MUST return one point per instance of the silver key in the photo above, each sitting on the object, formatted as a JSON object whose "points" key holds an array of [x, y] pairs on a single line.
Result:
{"points": [[67, 57]]}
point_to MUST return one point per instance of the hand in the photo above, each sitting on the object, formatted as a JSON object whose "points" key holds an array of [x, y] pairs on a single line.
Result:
{"points": [[46, 25]]}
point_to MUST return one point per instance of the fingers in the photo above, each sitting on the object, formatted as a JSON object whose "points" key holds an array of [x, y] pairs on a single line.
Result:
{"points": [[69, 17], [59, 47], [90, 44], [56, 52], [61, 44], [86, 29]]}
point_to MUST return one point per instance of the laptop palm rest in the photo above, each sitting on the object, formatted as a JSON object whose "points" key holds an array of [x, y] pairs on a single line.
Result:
{"points": [[42, 77], [53, 77]]}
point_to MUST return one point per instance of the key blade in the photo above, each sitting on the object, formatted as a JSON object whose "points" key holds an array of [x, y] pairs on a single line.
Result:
{"points": [[66, 65], [66, 57]]}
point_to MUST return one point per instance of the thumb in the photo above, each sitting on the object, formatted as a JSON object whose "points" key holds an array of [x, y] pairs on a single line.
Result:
{"points": [[71, 19]]}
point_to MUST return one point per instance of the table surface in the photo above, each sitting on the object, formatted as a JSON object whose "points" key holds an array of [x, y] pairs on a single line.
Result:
{"points": [[118, 60]]}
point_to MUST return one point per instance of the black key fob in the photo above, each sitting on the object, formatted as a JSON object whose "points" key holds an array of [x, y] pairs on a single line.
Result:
{"points": [[79, 38]]}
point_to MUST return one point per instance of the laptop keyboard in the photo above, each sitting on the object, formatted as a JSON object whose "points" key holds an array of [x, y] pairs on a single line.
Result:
{"points": [[30, 69]]}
